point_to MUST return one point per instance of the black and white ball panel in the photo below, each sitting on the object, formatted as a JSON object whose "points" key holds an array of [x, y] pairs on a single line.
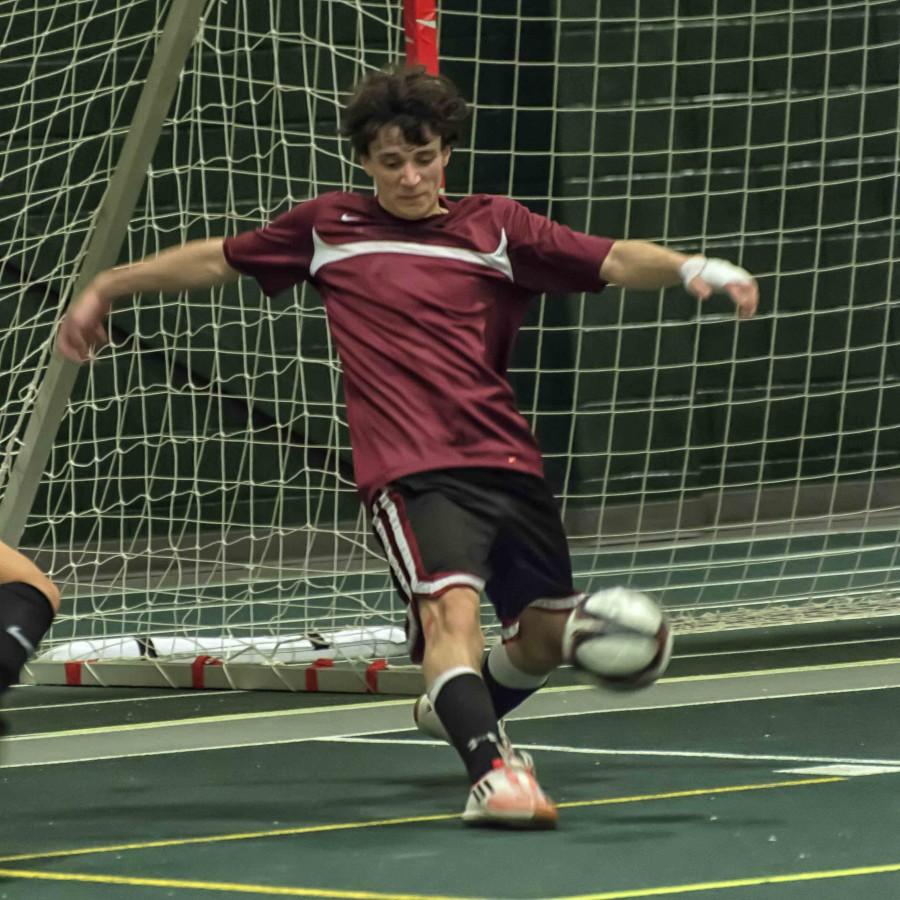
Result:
{"points": [[618, 638]]}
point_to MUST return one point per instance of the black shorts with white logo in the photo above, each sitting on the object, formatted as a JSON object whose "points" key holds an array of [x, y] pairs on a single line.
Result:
{"points": [[482, 528]]}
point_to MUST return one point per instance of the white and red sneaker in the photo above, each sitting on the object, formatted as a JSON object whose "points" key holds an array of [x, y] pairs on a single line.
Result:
{"points": [[509, 797], [427, 721]]}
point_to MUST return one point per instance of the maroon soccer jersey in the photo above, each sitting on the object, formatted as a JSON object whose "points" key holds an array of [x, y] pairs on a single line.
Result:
{"points": [[424, 315]]}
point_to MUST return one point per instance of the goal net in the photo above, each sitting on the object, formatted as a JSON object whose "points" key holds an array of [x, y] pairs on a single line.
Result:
{"points": [[198, 499]]}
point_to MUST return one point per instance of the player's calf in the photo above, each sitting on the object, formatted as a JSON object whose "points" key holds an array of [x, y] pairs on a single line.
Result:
{"points": [[508, 688], [521, 666], [511, 671], [504, 791], [428, 722], [510, 684]]}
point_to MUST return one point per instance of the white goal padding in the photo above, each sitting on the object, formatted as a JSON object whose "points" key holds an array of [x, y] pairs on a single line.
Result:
{"points": [[350, 644]]}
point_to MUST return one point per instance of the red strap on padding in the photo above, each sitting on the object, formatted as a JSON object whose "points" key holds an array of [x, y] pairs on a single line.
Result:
{"points": [[198, 680], [312, 673], [73, 673], [372, 671]]}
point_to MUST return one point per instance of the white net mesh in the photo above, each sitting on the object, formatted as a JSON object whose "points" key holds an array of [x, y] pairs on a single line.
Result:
{"points": [[745, 473], [200, 486]]}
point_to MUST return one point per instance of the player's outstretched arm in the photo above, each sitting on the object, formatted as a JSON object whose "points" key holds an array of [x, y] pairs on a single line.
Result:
{"points": [[198, 264], [640, 264]]}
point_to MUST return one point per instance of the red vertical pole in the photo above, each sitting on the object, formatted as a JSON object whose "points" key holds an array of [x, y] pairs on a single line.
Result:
{"points": [[420, 24]]}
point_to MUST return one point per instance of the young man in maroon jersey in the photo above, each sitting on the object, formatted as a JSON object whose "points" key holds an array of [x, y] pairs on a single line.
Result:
{"points": [[424, 297]]}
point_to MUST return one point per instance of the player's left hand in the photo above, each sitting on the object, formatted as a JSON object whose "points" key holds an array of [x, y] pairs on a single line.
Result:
{"points": [[81, 332], [704, 277]]}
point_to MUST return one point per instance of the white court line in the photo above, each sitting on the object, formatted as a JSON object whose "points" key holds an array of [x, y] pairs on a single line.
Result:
{"points": [[171, 751], [7, 710], [845, 771], [818, 646], [307, 711], [891, 764], [832, 764], [202, 720], [514, 717]]}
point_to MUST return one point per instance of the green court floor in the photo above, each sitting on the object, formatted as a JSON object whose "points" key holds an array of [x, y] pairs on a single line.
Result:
{"points": [[726, 781]]}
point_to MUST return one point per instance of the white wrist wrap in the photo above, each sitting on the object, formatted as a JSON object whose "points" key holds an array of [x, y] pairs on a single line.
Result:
{"points": [[715, 272]]}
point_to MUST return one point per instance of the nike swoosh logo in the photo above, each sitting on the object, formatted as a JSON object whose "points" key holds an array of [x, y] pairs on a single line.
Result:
{"points": [[346, 217], [16, 633]]}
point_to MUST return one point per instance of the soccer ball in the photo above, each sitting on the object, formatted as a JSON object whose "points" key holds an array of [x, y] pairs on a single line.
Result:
{"points": [[618, 638]]}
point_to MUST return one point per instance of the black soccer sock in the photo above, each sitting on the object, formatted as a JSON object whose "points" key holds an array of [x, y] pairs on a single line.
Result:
{"points": [[463, 704], [25, 617], [508, 686]]}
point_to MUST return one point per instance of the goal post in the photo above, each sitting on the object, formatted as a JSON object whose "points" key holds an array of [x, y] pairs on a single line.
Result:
{"points": [[420, 26], [196, 504]]}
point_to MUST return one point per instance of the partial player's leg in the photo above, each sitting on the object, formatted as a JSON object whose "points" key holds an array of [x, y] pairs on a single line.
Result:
{"points": [[513, 669], [516, 668], [437, 551], [531, 589], [28, 603], [533, 593], [504, 790], [452, 655]]}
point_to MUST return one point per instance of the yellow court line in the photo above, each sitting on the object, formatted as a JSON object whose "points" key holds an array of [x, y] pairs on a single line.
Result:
{"points": [[671, 890], [332, 894], [408, 820], [231, 887], [698, 792], [723, 676]]}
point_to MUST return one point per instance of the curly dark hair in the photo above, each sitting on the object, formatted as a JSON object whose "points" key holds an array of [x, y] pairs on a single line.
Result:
{"points": [[408, 97]]}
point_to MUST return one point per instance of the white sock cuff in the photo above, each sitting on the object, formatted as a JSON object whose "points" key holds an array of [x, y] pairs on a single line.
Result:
{"points": [[505, 673], [444, 677]]}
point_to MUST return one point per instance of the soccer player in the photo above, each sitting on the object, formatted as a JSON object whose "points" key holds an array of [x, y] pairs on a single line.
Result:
{"points": [[28, 602], [424, 297]]}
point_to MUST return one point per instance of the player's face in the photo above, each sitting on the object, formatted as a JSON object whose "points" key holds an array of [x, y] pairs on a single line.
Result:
{"points": [[408, 177]]}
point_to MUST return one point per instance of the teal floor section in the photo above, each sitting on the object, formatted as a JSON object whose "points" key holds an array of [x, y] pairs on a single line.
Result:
{"points": [[658, 807]]}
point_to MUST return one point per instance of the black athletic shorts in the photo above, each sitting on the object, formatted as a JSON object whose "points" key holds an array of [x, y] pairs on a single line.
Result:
{"points": [[487, 529]]}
